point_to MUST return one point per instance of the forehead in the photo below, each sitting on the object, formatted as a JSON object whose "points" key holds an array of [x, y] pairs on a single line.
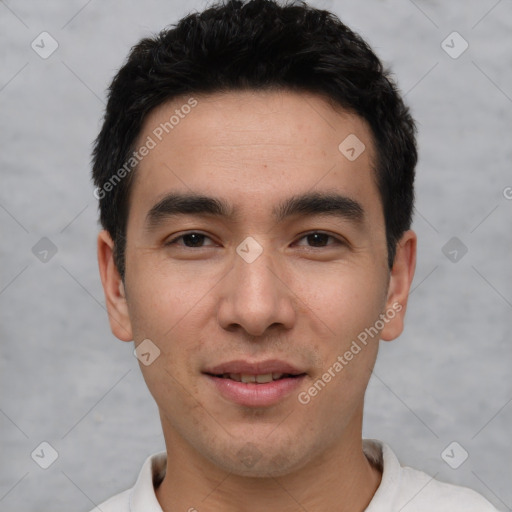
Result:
{"points": [[254, 148]]}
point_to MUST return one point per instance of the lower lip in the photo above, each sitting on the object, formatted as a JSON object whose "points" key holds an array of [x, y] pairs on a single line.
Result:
{"points": [[256, 395]]}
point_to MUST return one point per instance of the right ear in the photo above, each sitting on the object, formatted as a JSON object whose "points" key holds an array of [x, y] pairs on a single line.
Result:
{"points": [[113, 287]]}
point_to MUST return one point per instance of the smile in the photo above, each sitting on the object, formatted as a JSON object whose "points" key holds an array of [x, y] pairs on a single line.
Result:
{"points": [[259, 379]]}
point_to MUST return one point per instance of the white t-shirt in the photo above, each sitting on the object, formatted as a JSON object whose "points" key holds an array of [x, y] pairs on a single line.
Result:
{"points": [[402, 488]]}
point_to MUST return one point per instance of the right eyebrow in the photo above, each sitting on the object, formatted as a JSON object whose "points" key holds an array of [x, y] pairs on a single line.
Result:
{"points": [[173, 205]]}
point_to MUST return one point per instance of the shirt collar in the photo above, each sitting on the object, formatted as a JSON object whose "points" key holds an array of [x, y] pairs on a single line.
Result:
{"points": [[385, 496], [143, 497]]}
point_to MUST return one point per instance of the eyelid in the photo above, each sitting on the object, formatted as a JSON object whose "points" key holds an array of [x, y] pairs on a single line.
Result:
{"points": [[193, 232], [339, 240]]}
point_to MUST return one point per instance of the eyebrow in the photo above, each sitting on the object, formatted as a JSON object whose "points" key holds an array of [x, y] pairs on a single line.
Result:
{"points": [[308, 204]]}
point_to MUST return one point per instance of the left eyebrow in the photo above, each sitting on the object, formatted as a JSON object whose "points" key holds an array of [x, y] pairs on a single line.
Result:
{"points": [[306, 205], [318, 203]]}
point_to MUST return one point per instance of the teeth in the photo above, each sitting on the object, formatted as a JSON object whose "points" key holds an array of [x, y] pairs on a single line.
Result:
{"points": [[260, 379], [267, 377]]}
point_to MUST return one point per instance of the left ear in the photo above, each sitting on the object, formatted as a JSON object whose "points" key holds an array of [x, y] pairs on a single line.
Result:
{"points": [[400, 282]]}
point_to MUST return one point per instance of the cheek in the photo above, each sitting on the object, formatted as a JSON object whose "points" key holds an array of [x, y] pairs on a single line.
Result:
{"points": [[168, 307], [164, 300], [164, 312], [345, 299], [346, 305]]}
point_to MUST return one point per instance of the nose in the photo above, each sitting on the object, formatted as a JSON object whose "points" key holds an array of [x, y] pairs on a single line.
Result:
{"points": [[255, 297]]}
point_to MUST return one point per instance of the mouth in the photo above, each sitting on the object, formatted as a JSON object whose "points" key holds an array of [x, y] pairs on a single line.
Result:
{"points": [[262, 378], [255, 384]]}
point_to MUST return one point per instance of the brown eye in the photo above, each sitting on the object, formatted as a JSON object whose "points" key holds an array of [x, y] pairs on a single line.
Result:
{"points": [[319, 239], [191, 240]]}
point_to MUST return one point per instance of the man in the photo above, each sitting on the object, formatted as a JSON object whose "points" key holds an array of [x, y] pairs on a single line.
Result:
{"points": [[255, 174]]}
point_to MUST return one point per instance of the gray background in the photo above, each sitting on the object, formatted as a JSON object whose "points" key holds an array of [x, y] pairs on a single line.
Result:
{"points": [[66, 380]]}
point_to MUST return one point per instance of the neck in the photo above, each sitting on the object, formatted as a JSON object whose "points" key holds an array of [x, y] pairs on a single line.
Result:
{"points": [[339, 480]]}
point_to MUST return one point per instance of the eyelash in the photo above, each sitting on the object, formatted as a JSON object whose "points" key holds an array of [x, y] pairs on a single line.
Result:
{"points": [[337, 240]]}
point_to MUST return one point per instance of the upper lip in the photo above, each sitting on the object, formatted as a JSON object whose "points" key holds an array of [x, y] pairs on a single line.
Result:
{"points": [[254, 368]]}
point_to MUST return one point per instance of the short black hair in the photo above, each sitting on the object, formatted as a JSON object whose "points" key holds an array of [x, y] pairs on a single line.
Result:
{"points": [[256, 45]]}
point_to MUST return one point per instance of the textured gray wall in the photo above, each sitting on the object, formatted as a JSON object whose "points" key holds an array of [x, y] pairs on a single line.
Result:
{"points": [[66, 380]]}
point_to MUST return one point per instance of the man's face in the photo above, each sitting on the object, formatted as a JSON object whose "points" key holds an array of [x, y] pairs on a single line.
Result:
{"points": [[290, 300]]}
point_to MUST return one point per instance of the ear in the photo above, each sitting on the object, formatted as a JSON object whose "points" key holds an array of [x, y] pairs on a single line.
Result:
{"points": [[113, 287], [400, 282]]}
